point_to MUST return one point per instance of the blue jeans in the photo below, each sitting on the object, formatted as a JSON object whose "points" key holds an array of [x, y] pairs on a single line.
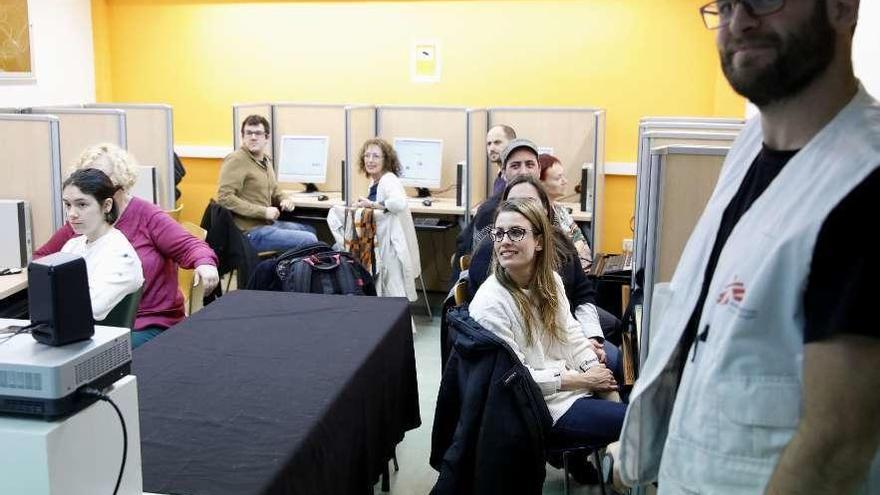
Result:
{"points": [[281, 236], [590, 421], [141, 337]]}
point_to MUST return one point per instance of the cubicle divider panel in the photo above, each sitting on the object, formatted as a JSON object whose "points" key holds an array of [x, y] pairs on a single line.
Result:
{"points": [[599, 184], [444, 123], [567, 133], [479, 180], [240, 111], [31, 149], [150, 137], [81, 128], [692, 120], [360, 125], [294, 119]]}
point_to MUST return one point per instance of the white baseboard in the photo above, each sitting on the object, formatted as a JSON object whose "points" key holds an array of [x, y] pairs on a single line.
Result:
{"points": [[198, 151], [620, 168]]}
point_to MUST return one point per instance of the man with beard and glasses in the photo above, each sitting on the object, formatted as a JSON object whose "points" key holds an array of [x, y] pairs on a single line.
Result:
{"points": [[762, 373]]}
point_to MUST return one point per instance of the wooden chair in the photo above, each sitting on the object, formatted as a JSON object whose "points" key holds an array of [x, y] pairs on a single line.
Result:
{"points": [[175, 213], [193, 295]]}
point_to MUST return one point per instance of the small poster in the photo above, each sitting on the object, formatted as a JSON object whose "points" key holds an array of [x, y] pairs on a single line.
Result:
{"points": [[15, 40], [425, 61]]}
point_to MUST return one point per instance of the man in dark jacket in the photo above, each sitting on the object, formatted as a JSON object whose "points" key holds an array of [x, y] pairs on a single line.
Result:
{"points": [[491, 420], [520, 157]]}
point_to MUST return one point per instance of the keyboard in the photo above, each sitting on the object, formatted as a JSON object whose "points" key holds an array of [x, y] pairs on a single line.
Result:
{"points": [[611, 264], [426, 221]]}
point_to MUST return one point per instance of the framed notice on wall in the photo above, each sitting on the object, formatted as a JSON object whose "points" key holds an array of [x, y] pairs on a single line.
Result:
{"points": [[16, 59]]}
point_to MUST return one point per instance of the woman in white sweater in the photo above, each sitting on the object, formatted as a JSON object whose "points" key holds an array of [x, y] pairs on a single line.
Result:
{"points": [[113, 267], [399, 269], [524, 303]]}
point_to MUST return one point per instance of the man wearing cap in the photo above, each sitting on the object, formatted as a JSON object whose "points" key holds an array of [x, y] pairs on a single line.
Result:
{"points": [[520, 157]]}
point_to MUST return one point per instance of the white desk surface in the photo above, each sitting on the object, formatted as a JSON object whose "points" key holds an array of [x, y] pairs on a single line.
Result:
{"points": [[439, 206], [10, 284], [579, 216], [310, 200]]}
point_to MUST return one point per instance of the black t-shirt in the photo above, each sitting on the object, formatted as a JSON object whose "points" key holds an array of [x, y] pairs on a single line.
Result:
{"points": [[840, 285]]}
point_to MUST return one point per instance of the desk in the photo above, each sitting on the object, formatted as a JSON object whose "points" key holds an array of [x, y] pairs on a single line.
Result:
{"points": [[577, 214], [272, 392], [10, 284], [310, 200], [439, 206]]}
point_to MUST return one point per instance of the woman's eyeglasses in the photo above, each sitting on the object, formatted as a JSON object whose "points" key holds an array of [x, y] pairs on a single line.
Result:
{"points": [[515, 234]]}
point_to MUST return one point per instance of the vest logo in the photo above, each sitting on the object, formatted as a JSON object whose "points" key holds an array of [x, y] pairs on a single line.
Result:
{"points": [[732, 296], [733, 293]]}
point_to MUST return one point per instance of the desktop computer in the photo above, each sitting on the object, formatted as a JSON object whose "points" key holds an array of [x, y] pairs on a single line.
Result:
{"points": [[15, 244]]}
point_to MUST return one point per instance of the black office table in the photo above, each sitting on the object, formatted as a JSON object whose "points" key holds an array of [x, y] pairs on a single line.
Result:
{"points": [[270, 393]]}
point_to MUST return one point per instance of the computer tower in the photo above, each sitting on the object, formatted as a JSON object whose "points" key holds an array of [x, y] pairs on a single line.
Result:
{"points": [[59, 300], [147, 184], [15, 244]]}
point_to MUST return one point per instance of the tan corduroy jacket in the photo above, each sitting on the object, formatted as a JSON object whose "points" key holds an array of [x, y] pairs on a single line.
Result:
{"points": [[247, 187]]}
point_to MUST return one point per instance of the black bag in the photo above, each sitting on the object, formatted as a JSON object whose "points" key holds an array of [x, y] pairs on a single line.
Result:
{"points": [[318, 269]]}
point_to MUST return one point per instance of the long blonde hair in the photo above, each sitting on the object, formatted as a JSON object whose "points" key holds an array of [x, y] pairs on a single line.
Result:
{"points": [[542, 295]]}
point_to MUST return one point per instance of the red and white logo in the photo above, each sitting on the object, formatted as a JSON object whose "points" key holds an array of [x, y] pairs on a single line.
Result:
{"points": [[733, 293]]}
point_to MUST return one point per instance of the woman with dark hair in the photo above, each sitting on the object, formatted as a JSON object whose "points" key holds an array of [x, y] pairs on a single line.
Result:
{"points": [[113, 267], [523, 302], [554, 181], [398, 250]]}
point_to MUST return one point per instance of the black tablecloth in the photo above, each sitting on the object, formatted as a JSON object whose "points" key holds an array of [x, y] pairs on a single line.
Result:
{"points": [[268, 392]]}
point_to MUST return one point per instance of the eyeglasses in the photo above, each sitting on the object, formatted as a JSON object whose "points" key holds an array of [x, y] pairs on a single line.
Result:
{"points": [[374, 156], [515, 234], [254, 133], [717, 14]]}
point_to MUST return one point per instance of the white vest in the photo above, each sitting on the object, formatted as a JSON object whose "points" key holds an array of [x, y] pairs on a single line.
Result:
{"points": [[739, 401]]}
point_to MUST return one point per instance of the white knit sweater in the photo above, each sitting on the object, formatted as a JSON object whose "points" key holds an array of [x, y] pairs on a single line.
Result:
{"points": [[494, 308]]}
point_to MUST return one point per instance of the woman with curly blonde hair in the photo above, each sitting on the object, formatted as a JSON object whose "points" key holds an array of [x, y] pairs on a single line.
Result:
{"points": [[160, 243]]}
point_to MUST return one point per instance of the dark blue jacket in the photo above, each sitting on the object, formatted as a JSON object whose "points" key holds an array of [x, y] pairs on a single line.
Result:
{"points": [[491, 420]]}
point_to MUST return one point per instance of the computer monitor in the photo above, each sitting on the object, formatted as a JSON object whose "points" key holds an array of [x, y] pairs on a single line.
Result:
{"points": [[420, 161], [303, 159]]}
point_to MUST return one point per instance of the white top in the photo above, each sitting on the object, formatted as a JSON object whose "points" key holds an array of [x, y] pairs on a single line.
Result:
{"points": [[113, 268], [495, 309]]}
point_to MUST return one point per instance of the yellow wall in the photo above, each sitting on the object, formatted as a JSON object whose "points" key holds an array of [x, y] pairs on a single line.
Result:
{"points": [[634, 58]]}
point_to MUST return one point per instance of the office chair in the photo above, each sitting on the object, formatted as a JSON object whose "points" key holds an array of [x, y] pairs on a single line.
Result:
{"points": [[175, 213], [124, 313], [556, 450]]}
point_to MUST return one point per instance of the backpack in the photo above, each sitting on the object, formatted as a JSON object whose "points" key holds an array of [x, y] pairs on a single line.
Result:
{"points": [[318, 269]]}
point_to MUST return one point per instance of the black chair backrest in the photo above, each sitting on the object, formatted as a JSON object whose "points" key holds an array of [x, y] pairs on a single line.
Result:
{"points": [[124, 313]]}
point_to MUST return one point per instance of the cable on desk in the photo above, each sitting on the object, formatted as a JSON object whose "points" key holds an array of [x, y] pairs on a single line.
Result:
{"points": [[93, 392], [13, 330]]}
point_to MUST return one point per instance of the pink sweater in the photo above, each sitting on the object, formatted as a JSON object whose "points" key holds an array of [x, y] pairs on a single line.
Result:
{"points": [[161, 244]]}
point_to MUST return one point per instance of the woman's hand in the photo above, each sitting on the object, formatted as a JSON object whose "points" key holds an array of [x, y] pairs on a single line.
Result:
{"points": [[599, 349], [206, 274], [366, 203], [596, 379]]}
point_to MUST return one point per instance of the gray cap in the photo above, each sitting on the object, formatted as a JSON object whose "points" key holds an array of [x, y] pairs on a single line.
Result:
{"points": [[514, 145]]}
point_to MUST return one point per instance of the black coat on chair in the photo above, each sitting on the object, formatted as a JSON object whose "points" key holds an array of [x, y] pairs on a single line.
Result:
{"points": [[491, 420], [234, 250]]}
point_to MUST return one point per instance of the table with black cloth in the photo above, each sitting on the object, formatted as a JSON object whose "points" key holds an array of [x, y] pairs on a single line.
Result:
{"points": [[272, 392]]}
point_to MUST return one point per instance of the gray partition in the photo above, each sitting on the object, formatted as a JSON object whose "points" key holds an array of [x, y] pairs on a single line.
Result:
{"points": [[681, 180], [650, 140], [309, 119], [81, 128], [577, 138], [448, 124], [150, 138], [240, 111], [360, 125], [477, 179], [31, 161]]}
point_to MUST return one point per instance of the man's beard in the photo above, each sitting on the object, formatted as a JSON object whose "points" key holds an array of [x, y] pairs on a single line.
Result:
{"points": [[802, 56]]}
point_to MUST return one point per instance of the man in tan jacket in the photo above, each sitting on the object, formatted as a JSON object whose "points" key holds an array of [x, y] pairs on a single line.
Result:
{"points": [[248, 188]]}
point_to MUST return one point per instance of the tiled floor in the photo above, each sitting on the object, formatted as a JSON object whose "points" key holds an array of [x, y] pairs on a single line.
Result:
{"points": [[416, 476]]}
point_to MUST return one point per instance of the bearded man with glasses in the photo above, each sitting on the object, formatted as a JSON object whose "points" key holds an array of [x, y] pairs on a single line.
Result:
{"points": [[762, 372]]}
